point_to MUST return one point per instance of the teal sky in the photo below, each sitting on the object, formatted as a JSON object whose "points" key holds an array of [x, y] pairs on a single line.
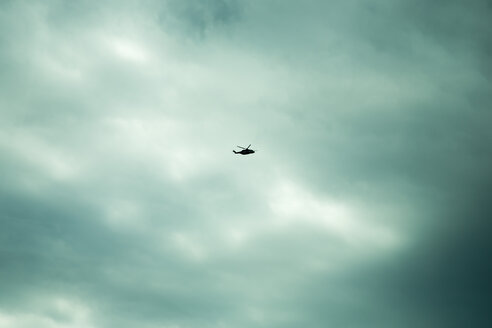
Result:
{"points": [[367, 203]]}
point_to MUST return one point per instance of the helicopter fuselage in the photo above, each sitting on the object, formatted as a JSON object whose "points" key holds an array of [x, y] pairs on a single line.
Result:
{"points": [[244, 151]]}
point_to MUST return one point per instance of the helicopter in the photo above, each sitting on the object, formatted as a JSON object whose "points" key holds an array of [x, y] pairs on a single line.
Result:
{"points": [[244, 151]]}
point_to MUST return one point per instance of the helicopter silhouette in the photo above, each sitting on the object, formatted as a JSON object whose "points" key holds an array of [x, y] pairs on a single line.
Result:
{"points": [[244, 151]]}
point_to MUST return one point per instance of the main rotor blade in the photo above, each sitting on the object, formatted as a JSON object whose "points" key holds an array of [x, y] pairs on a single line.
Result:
{"points": [[241, 147], [248, 146]]}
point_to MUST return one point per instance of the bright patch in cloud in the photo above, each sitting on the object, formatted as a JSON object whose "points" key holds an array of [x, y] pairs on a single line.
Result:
{"points": [[293, 205], [128, 50], [57, 312]]}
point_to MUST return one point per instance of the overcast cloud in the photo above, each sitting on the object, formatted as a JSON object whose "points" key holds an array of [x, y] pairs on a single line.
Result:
{"points": [[367, 203]]}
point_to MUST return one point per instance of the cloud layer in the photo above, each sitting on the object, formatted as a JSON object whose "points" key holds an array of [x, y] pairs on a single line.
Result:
{"points": [[365, 205]]}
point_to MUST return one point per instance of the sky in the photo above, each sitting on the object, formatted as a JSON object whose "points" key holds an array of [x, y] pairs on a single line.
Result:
{"points": [[366, 204]]}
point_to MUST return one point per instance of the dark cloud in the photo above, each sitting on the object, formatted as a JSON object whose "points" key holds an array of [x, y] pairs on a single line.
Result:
{"points": [[199, 19]]}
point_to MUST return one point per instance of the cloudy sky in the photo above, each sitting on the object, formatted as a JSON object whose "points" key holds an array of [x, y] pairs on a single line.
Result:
{"points": [[367, 203]]}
